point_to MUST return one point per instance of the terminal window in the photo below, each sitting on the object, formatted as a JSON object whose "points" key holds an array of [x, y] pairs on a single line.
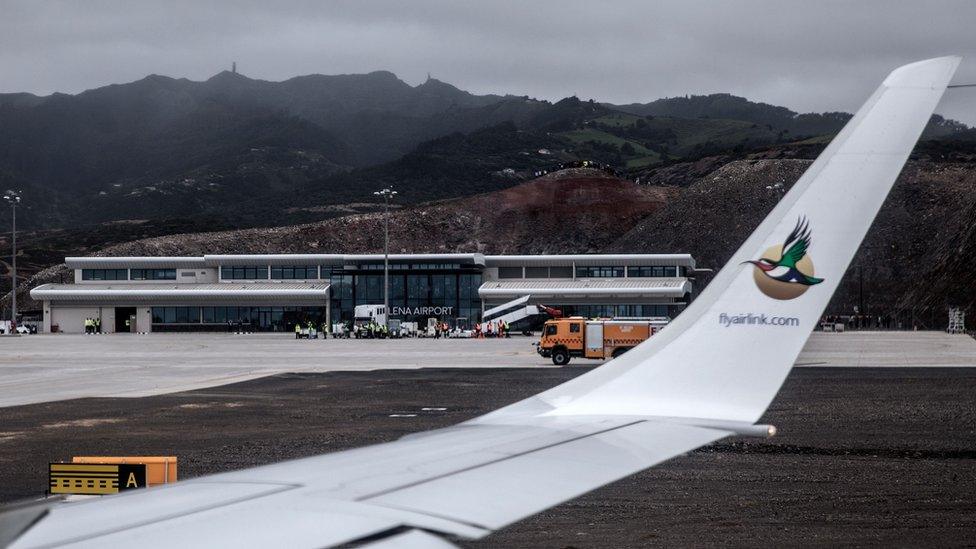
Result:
{"points": [[211, 318], [153, 274], [510, 272], [244, 272], [294, 272], [610, 311], [561, 272], [658, 271], [104, 274], [599, 272]]}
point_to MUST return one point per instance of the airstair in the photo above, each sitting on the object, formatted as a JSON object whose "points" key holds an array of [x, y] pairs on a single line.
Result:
{"points": [[512, 312]]}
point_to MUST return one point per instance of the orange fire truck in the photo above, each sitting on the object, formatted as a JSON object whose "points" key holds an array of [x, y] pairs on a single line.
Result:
{"points": [[564, 338]]}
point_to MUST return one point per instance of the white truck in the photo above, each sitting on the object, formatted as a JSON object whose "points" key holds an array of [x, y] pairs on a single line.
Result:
{"points": [[364, 314]]}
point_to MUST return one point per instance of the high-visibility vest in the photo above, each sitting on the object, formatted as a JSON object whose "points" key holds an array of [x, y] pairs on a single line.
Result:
{"points": [[298, 328]]}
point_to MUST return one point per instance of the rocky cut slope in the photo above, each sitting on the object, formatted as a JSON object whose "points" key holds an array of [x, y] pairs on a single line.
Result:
{"points": [[915, 261]]}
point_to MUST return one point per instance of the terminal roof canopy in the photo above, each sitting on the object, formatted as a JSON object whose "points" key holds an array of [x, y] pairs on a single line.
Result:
{"points": [[476, 259], [218, 292], [616, 287]]}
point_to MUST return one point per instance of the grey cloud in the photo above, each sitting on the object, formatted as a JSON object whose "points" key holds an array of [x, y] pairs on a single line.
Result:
{"points": [[809, 56]]}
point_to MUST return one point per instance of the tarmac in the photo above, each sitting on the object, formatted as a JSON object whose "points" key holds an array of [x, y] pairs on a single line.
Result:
{"points": [[45, 368], [865, 456]]}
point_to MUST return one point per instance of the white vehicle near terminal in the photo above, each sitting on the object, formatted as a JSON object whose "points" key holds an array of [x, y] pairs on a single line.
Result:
{"points": [[710, 375], [6, 328], [364, 314], [403, 329]]}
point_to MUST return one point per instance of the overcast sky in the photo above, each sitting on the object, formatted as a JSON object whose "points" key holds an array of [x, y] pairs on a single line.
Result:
{"points": [[807, 55]]}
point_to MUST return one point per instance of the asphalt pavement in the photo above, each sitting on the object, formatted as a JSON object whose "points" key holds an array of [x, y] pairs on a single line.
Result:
{"points": [[44, 368], [865, 456]]}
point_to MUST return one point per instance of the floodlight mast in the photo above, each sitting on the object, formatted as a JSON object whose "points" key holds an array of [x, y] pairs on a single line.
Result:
{"points": [[13, 198], [387, 194]]}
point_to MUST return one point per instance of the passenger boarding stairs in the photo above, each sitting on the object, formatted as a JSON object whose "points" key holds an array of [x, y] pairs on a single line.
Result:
{"points": [[512, 312]]}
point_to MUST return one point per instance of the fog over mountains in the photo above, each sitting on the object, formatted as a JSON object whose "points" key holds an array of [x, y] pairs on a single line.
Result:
{"points": [[253, 152]]}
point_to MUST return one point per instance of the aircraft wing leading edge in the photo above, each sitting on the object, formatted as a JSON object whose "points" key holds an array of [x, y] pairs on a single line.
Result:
{"points": [[708, 375]]}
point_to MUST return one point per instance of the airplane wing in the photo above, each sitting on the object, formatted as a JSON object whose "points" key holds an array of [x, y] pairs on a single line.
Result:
{"points": [[710, 374]]}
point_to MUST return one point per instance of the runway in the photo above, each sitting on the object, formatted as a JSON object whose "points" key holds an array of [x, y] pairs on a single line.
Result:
{"points": [[44, 368]]}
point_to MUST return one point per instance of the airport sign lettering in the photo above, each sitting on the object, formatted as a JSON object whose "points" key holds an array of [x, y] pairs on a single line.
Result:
{"points": [[429, 311]]}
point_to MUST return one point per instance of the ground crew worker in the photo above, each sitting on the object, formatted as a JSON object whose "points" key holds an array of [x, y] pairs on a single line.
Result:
{"points": [[298, 330], [87, 325], [127, 324], [98, 325], [311, 329]]}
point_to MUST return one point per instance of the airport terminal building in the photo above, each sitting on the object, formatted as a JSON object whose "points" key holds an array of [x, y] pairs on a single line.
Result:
{"points": [[272, 292]]}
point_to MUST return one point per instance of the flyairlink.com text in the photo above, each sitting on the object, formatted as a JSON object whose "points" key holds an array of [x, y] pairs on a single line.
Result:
{"points": [[750, 319]]}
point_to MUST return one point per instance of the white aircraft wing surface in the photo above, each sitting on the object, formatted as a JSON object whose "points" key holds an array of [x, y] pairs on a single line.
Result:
{"points": [[710, 374]]}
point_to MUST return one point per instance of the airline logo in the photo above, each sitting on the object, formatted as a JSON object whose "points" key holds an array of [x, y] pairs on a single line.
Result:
{"points": [[785, 271]]}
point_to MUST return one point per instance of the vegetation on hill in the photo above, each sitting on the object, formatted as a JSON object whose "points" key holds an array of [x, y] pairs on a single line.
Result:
{"points": [[254, 152]]}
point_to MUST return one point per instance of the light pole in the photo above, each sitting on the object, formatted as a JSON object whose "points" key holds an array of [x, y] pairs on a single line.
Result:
{"points": [[13, 198], [387, 194]]}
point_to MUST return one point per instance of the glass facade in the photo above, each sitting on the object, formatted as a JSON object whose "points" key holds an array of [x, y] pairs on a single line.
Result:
{"points": [[601, 311], [244, 272], [294, 272], [153, 274], [599, 272], [418, 291], [258, 319], [657, 271], [105, 274]]}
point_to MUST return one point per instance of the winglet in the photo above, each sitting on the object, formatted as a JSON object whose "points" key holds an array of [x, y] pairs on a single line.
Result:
{"points": [[726, 356]]}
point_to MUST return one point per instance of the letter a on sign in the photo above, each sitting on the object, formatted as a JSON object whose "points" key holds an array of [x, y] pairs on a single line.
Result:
{"points": [[132, 476]]}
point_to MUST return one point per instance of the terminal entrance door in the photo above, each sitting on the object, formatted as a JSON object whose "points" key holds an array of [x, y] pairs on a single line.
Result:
{"points": [[264, 320], [123, 322]]}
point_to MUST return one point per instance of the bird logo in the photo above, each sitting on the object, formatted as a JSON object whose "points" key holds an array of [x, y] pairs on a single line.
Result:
{"points": [[785, 271]]}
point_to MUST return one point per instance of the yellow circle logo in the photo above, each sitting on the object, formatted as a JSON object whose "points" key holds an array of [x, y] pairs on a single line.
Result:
{"points": [[785, 271]]}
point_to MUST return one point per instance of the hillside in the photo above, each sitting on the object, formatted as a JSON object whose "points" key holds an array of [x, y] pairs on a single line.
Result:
{"points": [[164, 147], [778, 119], [914, 260], [245, 152]]}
